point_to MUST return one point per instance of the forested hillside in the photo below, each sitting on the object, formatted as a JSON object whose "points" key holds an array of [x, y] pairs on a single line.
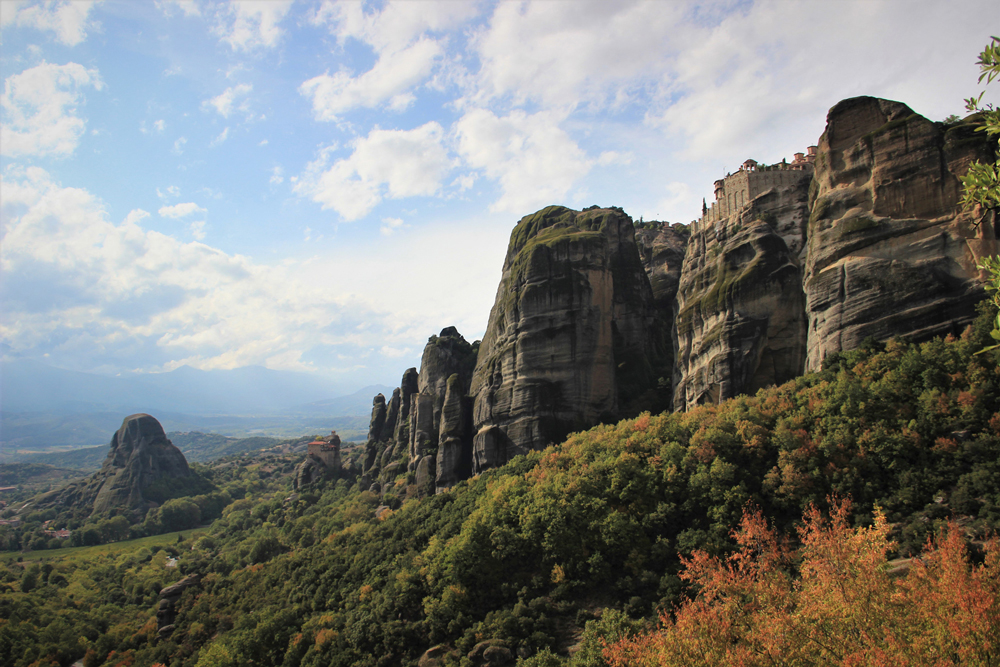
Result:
{"points": [[546, 555]]}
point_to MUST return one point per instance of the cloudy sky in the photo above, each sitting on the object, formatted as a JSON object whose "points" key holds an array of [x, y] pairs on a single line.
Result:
{"points": [[320, 186]]}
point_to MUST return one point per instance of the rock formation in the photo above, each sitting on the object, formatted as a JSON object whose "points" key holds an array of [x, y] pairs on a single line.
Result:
{"points": [[322, 461], [441, 408], [873, 244], [140, 456], [889, 251], [740, 324], [662, 248], [596, 318], [569, 339], [166, 610], [142, 469], [426, 428]]}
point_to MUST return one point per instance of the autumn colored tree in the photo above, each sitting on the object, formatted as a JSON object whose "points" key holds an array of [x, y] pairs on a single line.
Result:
{"points": [[844, 607]]}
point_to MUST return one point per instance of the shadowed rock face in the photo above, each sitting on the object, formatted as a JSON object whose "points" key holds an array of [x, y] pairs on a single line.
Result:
{"points": [[741, 313], [454, 454], [662, 248], [441, 443], [889, 253], [876, 246], [595, 319], [140, 456], [569, 338]]}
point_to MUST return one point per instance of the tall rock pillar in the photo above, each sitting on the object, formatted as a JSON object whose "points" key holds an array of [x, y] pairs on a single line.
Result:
{"points": [[568, 343], [890, 253]]}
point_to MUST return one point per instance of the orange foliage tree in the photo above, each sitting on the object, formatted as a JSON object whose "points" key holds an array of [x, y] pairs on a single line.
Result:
{"points": [[845, 606]]}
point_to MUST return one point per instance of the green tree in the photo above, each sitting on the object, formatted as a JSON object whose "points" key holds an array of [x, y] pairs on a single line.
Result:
{"points": [[981, 184]]}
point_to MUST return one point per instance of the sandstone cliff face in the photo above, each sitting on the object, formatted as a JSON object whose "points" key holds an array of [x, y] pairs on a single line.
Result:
{"points": [[740, 324], [454, 453], [596, 318], [888, 251], [661, 249], [569, 336]]}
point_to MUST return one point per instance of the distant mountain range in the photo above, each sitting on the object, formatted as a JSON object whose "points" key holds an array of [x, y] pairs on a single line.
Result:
{"points": [[31, 386], [47, 409]]}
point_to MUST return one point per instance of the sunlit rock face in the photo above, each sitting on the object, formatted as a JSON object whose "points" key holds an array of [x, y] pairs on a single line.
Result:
{"points": [[570, 340], [889, 251], [597, 318]]}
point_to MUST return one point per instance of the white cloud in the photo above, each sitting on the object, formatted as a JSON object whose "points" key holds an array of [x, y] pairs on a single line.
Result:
{"points": [[188, 7], [179, 145], [392, 352], [608, 158], [563, 54], [159, 125], [389, 79], [198, 230], [276, 176], [78, 286], [226, 101], [534, 160], [170, 191], [220, 138], [386, 163], [407, 55], [251, 24], [180, 210], [390, 226], [67, 18], [739, 88], [39, 109], [464, 182], [396, 25]]}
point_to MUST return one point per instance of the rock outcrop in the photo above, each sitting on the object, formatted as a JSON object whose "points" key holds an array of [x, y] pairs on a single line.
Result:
{"points": [[142, 470], [322, 461], [440, 407], [426, 428], [569, 340], [740, 324], [140, 457], [889, 251], [662, 248], [166, 610], [596, 318]]}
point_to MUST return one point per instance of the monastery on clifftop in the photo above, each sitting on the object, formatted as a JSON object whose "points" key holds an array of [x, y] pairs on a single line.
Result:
{"points": [[752, 179]]}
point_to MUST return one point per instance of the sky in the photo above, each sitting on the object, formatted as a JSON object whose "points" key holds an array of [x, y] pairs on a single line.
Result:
{"points": [[320, 186]]}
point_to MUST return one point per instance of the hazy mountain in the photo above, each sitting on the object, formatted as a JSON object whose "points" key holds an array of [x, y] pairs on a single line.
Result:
{"points": [[47, 409], [358, 403], [31, 386]]}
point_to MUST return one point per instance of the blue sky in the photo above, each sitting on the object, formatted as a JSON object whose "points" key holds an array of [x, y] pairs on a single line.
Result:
{"points": [[321, 186]]}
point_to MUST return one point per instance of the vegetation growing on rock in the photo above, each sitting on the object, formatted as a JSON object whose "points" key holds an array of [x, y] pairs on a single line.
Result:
{"points": [[531, 556]]}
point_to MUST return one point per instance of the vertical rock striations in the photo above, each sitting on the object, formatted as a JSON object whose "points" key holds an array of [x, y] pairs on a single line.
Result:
{"points": [[596, 318], [889, 252], [569, 337], [662, 247], [426, 428], [740, 324]]}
